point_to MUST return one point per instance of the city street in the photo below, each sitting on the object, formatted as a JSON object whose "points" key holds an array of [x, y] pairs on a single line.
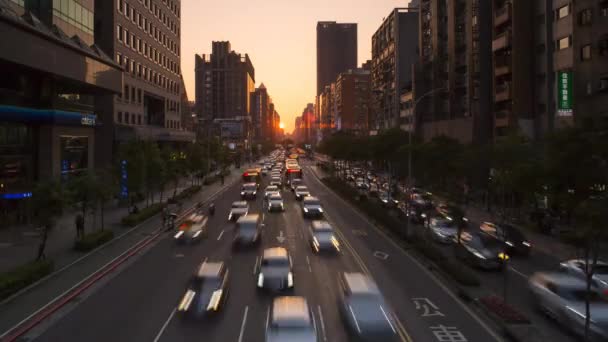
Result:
{"points": [[138, 304]]}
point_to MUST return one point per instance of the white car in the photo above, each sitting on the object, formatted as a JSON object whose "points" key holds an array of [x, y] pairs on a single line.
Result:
{"points": [[238, 209], [275, 202], [576, 267], [271, 189], [290, 319], [301, 192], [562, 297]]}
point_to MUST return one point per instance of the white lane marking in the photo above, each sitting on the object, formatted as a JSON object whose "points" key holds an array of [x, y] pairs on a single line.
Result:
{"points": [[322, 323], [162, 329], [255, 266], [308, 262], [220, 236], [243, 324], [414, 260], [525, 276], [381, 255]]}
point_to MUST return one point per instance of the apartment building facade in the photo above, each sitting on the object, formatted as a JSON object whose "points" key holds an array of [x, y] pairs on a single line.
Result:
{"points": [[394, 51], [353, 95], [336, 51]]}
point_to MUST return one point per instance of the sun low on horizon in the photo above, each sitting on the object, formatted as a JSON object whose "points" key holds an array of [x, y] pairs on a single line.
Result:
{"points": [[282, 125], [279, 37]]}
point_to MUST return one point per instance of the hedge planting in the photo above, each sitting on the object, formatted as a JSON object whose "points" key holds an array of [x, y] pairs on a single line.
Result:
{"points": [[145, 213], [92, 240], [187, 193], [22, 276]]}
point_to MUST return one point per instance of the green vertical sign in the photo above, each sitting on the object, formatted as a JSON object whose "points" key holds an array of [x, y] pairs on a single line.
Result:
{"points": [[564, 92]]}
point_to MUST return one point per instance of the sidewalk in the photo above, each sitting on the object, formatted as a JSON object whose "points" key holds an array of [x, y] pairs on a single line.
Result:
{"points": [[82, 265], [19, 244]]}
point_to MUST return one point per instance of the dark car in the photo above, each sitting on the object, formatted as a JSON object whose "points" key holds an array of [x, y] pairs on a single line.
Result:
{"points": [[274, 270], [513, 238], [311, 207], [453, 213], [207, 291], [414, 212], [480, 250], [248, 230], [364, 311], [323, 238], [249, 191]]}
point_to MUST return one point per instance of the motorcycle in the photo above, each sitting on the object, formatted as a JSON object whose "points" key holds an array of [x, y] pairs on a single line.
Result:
{"points": [[211, 209]]}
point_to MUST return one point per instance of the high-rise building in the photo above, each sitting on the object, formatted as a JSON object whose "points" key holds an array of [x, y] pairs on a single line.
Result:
{"points": [[144, 38], [580, 62], [393, 54], [336, 51], [52, 80], [261, 114], [308, 118], [353, 93]]}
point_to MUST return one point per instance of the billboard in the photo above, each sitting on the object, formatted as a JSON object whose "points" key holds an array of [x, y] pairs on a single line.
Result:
{"points": [[564, 93], [232, 129]]}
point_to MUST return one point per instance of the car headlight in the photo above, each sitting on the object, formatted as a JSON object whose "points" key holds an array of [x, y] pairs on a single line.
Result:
{"points": [[305, 210], [335, 242], [320, 210], [186, 301], [509, 243], [423, 215], [242, 193], [254, 192], [385, 201], [281, 205], [290, 279], [197, 234], [261, 280], [214, 302], [179, 234], [229, 216]]}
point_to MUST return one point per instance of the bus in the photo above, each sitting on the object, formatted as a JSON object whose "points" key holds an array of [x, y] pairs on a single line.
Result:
{"points": [[253, 175]]}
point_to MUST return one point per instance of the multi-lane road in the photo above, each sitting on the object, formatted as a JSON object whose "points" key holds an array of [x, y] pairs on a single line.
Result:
{"points": [[138, 303]]}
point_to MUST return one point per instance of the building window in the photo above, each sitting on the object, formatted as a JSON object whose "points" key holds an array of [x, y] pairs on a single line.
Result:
{"points": [[119, 118], [589, 88], [127, 93], [564, 43], [139, 95], [74, 13], [563, 11], [586, 52], [133, 94], [585, 17], [127, 117], [119, 32], [139, 119], [133, 119], [118, 58], [603, 84]]}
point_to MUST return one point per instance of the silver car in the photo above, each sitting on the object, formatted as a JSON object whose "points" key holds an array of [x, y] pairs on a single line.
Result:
{"points": [[323, 238], [275, 202], [576, 267], [311, 207], [442, 229], [276, 181], [238, 209], [364, 310], [290, 320], [295, 183], [301, 192], [562, 297], [270, 189]]}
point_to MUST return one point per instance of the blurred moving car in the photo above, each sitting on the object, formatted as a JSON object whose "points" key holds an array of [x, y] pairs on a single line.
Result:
{"points": [[480, 250], [249, 191], [275, 202], [301, 192], [414, 212], [311, 207], [323, 238], [248, 230], [295, 183], [576, 268], [442, 229], [274, 270], [425, 200], [192, 229], [387, 200], [363, 309], [271, 189], [238, 209], [516, 241], [562, 297], [276, 181], [454, 212], [207, 291], [290, 320]]}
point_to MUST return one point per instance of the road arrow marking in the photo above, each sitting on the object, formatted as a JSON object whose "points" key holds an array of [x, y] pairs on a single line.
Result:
{"points": [[281, 238]]}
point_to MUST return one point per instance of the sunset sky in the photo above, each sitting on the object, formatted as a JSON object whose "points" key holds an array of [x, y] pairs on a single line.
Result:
{"points": [[280, 38]]}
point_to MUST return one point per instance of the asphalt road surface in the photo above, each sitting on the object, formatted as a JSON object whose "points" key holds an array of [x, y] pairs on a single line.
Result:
{"points": [[138, 304]]}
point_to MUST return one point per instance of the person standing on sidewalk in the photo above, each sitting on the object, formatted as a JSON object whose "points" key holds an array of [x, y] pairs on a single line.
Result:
{"points": [[79, 226]]}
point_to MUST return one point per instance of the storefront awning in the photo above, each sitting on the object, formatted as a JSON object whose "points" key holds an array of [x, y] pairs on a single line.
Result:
{"points": [[45, 116]]}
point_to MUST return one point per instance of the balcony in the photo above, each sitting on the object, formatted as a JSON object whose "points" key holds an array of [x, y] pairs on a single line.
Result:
{"points": [[501, 42], [502, 15], [502, 92], [502, 67]]}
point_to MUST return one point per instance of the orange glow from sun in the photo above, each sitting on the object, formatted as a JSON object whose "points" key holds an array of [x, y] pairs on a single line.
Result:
{"points": [[281, 125]]}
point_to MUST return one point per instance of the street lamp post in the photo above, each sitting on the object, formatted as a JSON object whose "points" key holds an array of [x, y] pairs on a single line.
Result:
{"points": [[409, 152]]}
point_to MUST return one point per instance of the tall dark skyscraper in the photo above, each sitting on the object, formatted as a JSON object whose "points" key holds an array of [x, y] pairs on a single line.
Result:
{"points": [[336, 51]]}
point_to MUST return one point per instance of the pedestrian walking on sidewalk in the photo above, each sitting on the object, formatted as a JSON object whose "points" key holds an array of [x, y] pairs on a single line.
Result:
{"points": [[79, 226], [42, 247]]}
